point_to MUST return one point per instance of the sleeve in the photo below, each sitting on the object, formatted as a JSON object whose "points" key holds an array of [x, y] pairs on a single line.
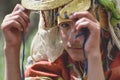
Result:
{"points": [[47, 70]]}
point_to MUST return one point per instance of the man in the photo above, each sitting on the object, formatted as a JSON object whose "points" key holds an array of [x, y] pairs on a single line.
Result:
{"points": [[57, 52]]}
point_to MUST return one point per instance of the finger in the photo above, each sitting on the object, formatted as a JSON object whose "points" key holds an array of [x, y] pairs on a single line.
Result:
{"points": [[26, 29], [78, 15], [24, 15], [18, 14], [81, 25], [19, 19], [90, 25], [27, 11], [18, 7], [6, 26], [81, 20], [21, 8]]}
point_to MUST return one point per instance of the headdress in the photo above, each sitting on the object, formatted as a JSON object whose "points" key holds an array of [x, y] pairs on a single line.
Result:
{"points": [[47, 43], [47, 39]]}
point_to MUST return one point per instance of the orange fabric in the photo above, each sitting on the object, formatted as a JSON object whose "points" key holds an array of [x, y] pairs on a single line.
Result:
{"points": [[59, 69], [114, 73], [53, 70]]}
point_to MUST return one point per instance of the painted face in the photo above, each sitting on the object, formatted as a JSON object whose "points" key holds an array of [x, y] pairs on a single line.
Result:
{"points": [[71, 44]]}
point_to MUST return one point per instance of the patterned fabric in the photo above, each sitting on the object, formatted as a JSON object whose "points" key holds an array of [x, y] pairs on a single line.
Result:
{"points": [[114, 72], [54, 70], [66, 69]]}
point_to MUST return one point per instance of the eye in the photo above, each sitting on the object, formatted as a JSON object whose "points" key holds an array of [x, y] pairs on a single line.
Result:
{"points": [[65, 25]]}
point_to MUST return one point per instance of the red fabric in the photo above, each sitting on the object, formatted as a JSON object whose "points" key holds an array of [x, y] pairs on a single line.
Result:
{"points": [[114, 73], [53, 70], [59, 69]]}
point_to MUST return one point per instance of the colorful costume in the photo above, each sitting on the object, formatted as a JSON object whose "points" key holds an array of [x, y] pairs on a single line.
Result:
{"points": [[48, 59]]}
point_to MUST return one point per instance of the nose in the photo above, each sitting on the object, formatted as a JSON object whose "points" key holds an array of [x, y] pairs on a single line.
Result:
{"points": [[73, 40]]}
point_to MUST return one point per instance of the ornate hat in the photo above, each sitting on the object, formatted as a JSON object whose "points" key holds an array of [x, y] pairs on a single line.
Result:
{"points": [[52, 4], [63, 8], [70, 6], [43, 4], [73, 6], [49, 46]]}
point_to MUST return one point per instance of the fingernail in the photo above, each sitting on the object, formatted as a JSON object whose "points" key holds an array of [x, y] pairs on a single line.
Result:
{"points": [[20, 9]]}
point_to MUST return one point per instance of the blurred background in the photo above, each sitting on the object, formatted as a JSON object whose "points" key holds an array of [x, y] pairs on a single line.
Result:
{"points": [[6, 7]]}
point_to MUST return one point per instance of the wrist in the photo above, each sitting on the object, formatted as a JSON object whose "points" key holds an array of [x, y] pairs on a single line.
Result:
{"points": [[12, 62], [94, 56], [11, 50], [12, 45]]}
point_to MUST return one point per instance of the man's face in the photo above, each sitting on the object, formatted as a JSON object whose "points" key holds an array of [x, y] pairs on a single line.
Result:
{"points": [[71, 44]]}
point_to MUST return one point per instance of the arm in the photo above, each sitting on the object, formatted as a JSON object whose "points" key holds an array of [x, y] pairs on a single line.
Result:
{"points": [[95, 69], [12, 26], [92, 45], [12, 65]]}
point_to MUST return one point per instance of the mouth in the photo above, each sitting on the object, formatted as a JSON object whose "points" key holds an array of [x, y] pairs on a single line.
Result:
{"points": [[75, 48]]}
